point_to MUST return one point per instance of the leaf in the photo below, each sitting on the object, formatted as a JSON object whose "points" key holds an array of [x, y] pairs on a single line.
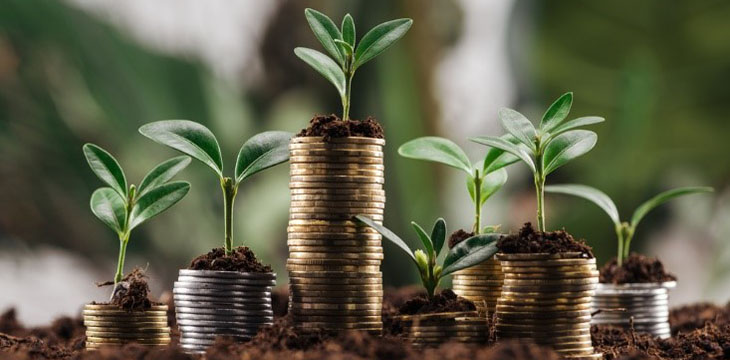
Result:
{"points": [[568, 146], [436, 149], [348, 30], [261, 152], [189, 138], [162, 173], [518, 126], [490, 229], [438, 235], [572, 124], [380, 38], [106, 167], [325, 66], [507, 146], [326, 32], [594, 195], [498, 158], [425, 240], [470, 252], [490, 185], [109, 207], [346, 48], [156, 201], [387, 234], [663, 197], [557, 112]]}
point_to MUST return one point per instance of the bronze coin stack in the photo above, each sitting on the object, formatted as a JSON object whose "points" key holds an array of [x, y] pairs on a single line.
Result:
{"points": [[109, 325], [432, 330], [482, 284], [334, 262], [547, 298]]}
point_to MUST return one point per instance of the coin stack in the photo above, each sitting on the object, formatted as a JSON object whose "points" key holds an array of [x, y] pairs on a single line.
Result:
{"points": [[432, 330], [334, 263], [210, 303], [109, 325], [547, 298], [482, 284], [646, 306]]}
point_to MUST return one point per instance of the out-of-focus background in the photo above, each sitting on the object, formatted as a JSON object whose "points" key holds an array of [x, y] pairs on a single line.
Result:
{"points": [[79, 71]]}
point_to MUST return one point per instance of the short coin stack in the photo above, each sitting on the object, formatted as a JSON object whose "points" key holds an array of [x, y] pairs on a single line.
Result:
{"points": [[334, 263], [109, 325], [646, 305], [547, 298], [482, 284], [210, 303], [432, 330]]}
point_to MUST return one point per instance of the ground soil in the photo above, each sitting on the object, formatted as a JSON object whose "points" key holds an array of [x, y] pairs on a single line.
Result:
{"points": [[242, 259], [445, 301], [331, 126], [635, 269], [529, 241], [459, 236]]}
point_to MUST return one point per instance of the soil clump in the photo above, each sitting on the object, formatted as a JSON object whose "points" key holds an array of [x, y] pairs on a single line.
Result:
{"points": [[331, 126]]}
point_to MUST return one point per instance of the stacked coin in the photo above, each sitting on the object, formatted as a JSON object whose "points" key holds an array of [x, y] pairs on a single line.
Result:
{"points": [[109, 325], [481, 284], [210, 303], [431, 330], [547, 298], [334, 262], [646, 306]]}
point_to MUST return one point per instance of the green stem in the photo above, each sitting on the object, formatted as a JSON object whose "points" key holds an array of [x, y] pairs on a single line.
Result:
{"points": [[346, 98], [123, 241], [620, 236], [540, 190], [627, 242], [477, 203], [230, 189]]}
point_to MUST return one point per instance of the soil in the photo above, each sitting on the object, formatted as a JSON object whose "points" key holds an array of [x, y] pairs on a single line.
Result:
{"points": [[635, 269], [459, 236], [445, 301], [695, 316], [242, 259], [132, 292], [530, 241], [331, 126]]}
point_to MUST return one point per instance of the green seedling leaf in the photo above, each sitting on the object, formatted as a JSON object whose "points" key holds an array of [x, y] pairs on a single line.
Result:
{"points": [[261, 152], [593, 195], [568, 146], [663, 197], [557, 112], [518, 126], [326, 32], [106, 167], [470, 252], [348, 30], [436, 149], [438, 235], [490, 185], [425, 240], [387, 234], [498, 158], [325, 66], [346, 48], [380, 38], [162, 173], [189, 138], [572, 124], [109, 207], [507, 146], [491, 229], [156, 201]]}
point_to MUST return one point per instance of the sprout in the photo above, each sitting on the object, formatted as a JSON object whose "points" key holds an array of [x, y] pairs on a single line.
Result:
{"points": [[624, 230], [467, 253], [123, 207], [258, 153], [347, 55], [546, 148]]}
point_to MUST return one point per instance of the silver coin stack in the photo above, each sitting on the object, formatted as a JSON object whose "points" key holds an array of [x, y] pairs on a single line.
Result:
{"points": [[209, 304], [645, 305]]}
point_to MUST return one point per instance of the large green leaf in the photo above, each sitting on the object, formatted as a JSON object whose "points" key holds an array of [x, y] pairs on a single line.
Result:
{"points": [[348, 30], [326, 32], [425, 240], [594, 195], [188, 137], [507, 146], [470, 252], [388, 235], [437, 149], [438, 235], [162, 173], [106, 167], [156, 201], [498, 158], [380, 38], [567, 146], [518, 126], [663, 197], [109, 207], [325, 66], [557, 112], [490, 185], [572, 124], [261, 152]]}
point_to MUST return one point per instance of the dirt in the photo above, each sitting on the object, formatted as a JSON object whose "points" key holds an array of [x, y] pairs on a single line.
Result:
{"points": [[529, 241], [242, 259], [635, 269], [459, 236], [695, 316], [132, 292], [445, 301], [331, 126]]}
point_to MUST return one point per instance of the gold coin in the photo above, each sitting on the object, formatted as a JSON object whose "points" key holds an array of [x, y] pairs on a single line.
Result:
{"points": [[127, 330], [335, 256], [369, 200], [336, 312], [143, 341], [552, 270], [447, 334], [510, 295], [335, 275], [327, 146], [337, 166], [372, 325], [337, 204], [462, 280], [548, 288], [449, 327], [542, 308], [125, 325], [331, 262], [372, 269], [335, 185], [336, 249], [346, 245], [115, 308], [550, 282], [543, 334], [479, 272], [307, 291], [354, 179], [329, 223], [539, 256], [335, 210], [126, 319], [548, 263], [331, 216], [374, 300], [127, 335], [342, 306], [340, 230], [336, 153], [330, 193], [546, 302], [297, 288], [531, 319], [561, 275], [542, 328], [337, 172], [337, 140], [123, 313], [336, 160], [334, 238], [336, 319], [443, 315], [598, 356]]}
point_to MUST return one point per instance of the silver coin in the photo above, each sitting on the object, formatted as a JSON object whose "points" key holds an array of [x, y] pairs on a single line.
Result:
{"points": [[226, 274], [187, 329], [212, 336], [226, 286], [220, 299], [242, 316], [234, 303], [228, 293], [253, 320], [240, 310]]}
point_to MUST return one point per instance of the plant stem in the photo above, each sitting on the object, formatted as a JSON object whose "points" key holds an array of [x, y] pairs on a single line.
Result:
{"points": [[628, 236], [540, 190], [346, 98], [477, 203], [620, 236], [230, 189], [123, 241]]}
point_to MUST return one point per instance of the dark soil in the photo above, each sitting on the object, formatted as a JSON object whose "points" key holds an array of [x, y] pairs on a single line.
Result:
{"points": [[695, 316], [242, 259], [459, 236], [132, 292], [635, 269], [331, 126], [445, 301], [530, 241]]}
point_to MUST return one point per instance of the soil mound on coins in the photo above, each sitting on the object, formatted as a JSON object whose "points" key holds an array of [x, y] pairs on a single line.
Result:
{"points": [[530, 241], [331, 126], [445, 301], [132, 291], [635, 269], [242, 259], [459, 236]]}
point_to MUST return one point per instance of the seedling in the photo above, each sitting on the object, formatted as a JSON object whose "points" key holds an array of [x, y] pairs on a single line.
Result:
{"points": [[467, 253], [258, 153], [123, 208], [481, 183], [346, 55], [624, 230], [550, 146]]}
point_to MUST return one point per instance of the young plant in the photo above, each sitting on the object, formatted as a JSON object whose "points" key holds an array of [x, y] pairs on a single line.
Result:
{"points": [[347, 55], [123, 207], [467, 253], [258, 153], [546, 148], [624, 230], [481, 182]]}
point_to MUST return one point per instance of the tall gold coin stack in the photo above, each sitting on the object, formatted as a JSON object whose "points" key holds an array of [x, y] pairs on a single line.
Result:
{"points": [[334, 262], [547, 298], [482, 284], [431, 330], [109, 325]]}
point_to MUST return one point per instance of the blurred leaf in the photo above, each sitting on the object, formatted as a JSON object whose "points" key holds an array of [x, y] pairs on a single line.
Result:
{"points": [[498, 158], [594, 195], [109, 207], [507, 146], [425, 240], [663, 197], [325, 66], [387, 234], [490, 185], [380, 38], [572, 124], [568, 146], [162, 173], [106, 167], [437, 149], [557, 112], [261, 152], [156, 201], [518, 126], [470, 252], [326, 32], [188, 137]]}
